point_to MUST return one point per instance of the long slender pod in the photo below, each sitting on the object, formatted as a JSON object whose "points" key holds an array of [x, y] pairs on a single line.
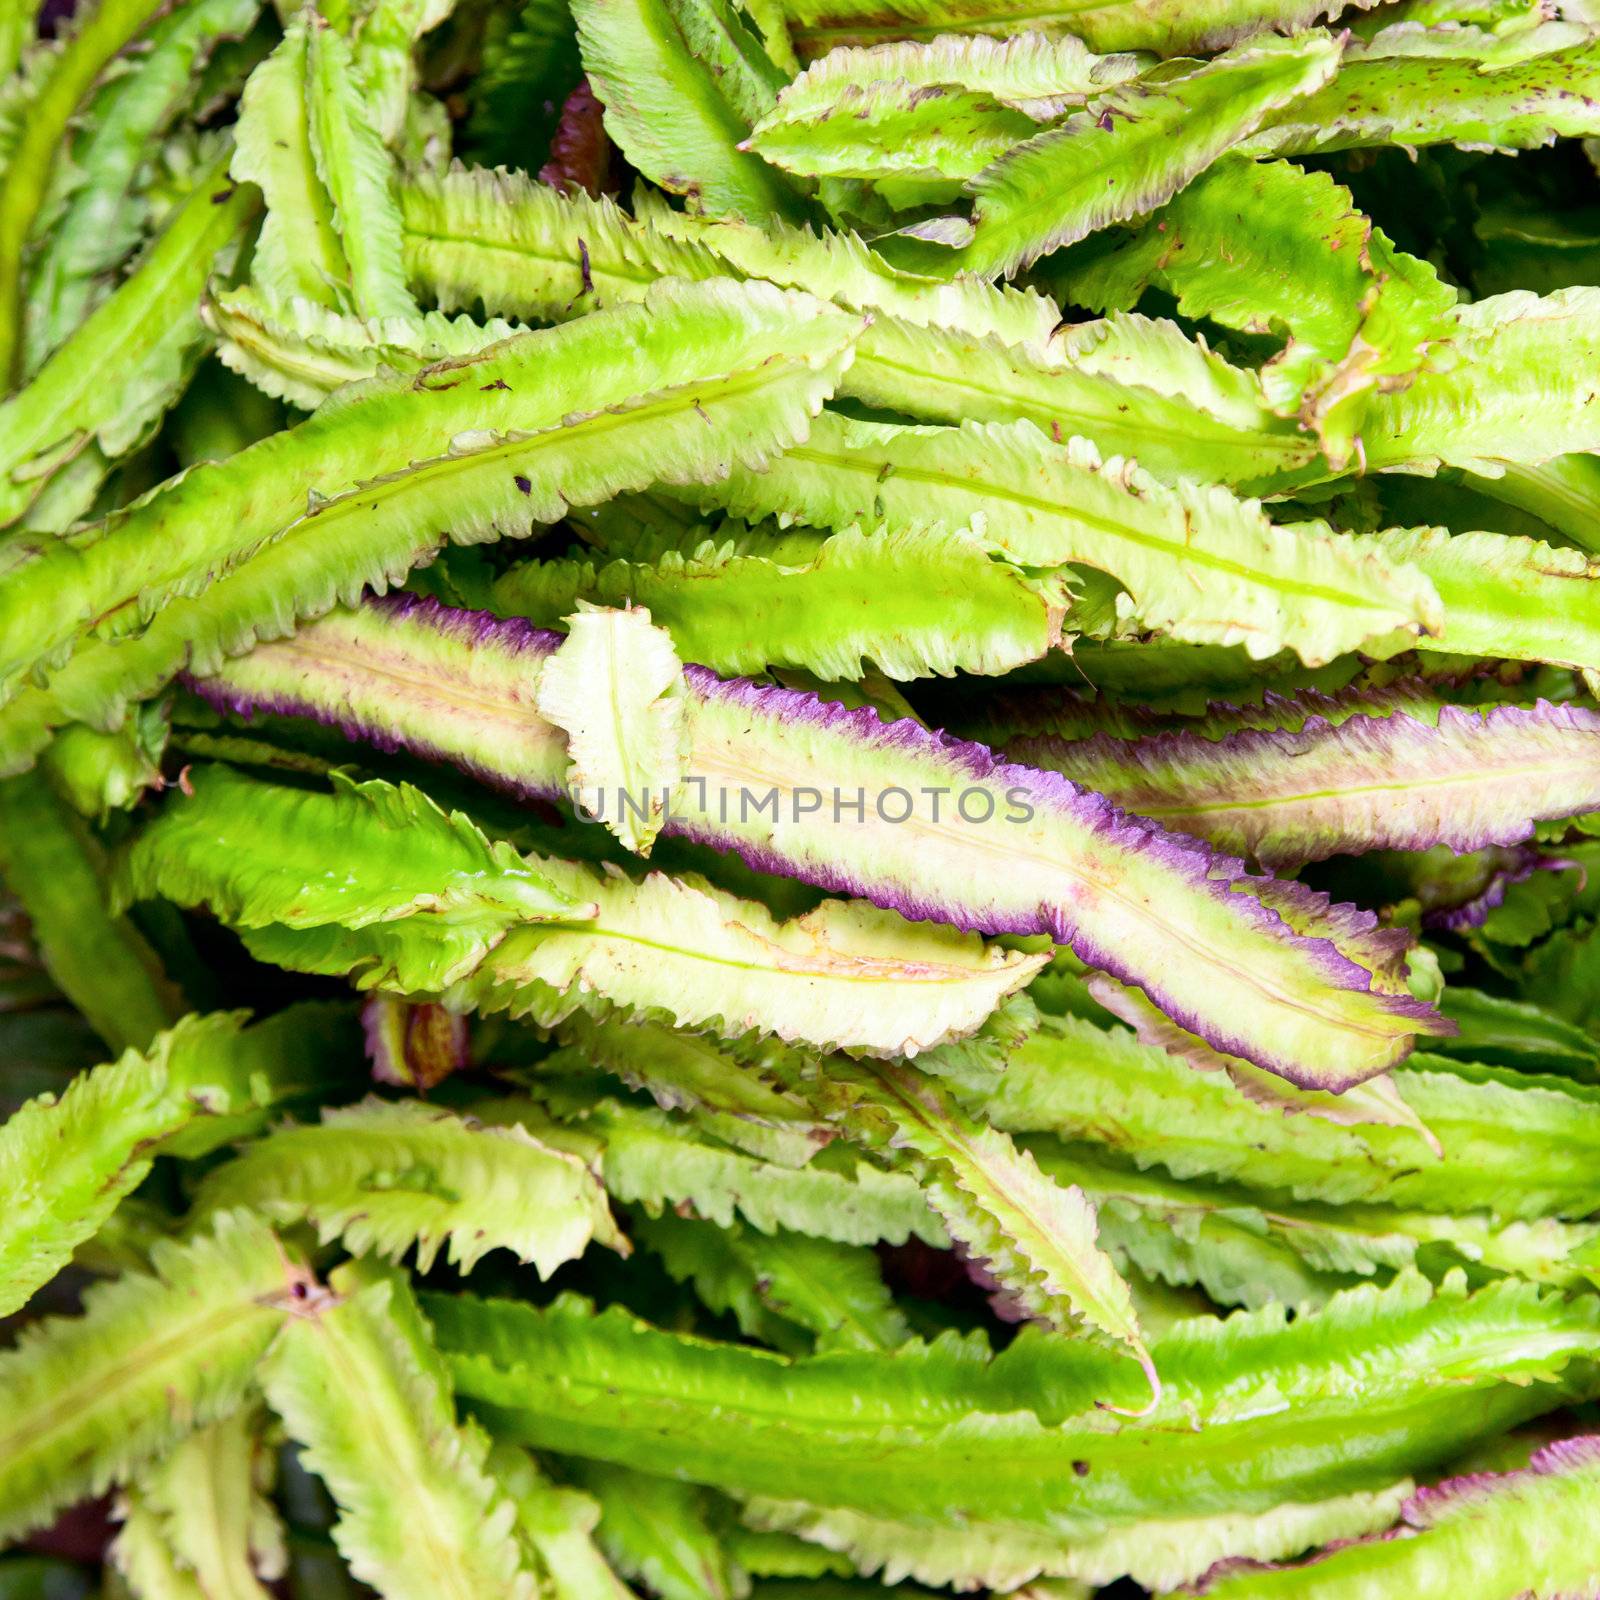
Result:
{"points": [[1255, 1409], [55, 865], [69, 422], [942, 350], [67, 1163], [153, 1356], [106, 212], [1011, 850], [105, 30], [1340, 778], [360, 1388], [1516, 1145], [479, 448], [1169, 27], [1485, 1534], [431, 906]]}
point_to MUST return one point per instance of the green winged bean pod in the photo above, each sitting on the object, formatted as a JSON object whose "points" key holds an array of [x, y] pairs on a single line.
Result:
{"points": [[373, 485], [932, 1431], [1075, 868], [60, 433], [152, 1356], [69, 72], [825, 772]]}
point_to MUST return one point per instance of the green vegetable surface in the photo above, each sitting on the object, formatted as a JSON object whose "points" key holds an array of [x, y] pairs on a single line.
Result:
{"points": [[799, 798]]}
